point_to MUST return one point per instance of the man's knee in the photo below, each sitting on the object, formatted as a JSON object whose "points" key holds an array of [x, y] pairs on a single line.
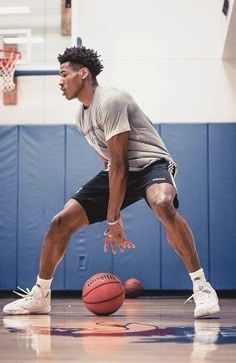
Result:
{"points": [[163, 206], [68, 220], [58, 226]]}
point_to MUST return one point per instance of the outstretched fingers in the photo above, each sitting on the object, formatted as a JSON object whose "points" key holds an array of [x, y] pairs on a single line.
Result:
{"points": [[110, 241], [126, 244]]}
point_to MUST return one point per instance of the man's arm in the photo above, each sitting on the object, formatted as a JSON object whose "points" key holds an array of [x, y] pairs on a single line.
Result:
{"points": [[118, 173], [105, 161]]}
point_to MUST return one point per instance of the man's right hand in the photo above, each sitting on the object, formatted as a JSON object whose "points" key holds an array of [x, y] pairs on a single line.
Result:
{"points": [[115, 234]]}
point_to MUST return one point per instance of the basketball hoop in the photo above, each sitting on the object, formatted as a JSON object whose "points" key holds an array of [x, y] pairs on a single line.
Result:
{"points": [[8, 60]]}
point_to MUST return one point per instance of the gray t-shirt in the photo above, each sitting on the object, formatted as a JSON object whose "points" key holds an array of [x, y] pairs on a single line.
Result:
{"points": [[113, 111]]}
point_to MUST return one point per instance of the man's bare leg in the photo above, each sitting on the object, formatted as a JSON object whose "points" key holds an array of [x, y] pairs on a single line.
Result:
{"points": [[178, 232], [63, 225], [180, 237]]}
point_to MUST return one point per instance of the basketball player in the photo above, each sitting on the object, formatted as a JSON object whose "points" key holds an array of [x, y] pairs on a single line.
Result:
{"points": [[138, 166]]}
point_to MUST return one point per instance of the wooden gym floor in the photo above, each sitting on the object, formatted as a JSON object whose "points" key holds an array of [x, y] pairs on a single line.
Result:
{"points": [[147, 329]]}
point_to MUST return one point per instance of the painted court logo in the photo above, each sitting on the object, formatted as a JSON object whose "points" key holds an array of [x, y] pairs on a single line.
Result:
{"points": [[202, 332]]}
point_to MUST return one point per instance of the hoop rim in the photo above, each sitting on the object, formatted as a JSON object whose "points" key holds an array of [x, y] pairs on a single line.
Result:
{"points": [[15, 52], [9, 50]]}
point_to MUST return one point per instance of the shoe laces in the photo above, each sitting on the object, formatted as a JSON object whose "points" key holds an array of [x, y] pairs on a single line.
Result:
{"points": [[27, 292], [200, 294]]}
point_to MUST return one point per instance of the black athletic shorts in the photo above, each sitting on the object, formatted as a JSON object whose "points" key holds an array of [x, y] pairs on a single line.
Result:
{"points": [[94, 195]]}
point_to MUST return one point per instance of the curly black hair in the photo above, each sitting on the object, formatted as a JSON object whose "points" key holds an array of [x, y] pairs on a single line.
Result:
{"points": [[84, 57]]}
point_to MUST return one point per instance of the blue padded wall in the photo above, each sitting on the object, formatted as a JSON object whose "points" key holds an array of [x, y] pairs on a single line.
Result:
{"points": [[8, 206], [222, 198], [41, 195], [85, 255], [42, 166], [187, 144]]}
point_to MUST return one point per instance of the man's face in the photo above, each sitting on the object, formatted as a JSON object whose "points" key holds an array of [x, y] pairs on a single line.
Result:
{"points": [[71, 81]]}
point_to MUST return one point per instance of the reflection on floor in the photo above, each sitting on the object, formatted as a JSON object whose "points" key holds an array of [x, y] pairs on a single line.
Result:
{"points": [[152, 329]]}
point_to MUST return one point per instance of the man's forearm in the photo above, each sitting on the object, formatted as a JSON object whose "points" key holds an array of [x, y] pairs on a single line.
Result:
{"points": [[117, 188]]}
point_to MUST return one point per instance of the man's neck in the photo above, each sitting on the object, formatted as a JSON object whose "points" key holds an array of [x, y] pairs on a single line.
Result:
{"points": [[87, 96]]}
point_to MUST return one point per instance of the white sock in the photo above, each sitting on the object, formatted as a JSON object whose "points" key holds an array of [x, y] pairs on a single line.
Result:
{"points": [[197, 276], [43, 284]]}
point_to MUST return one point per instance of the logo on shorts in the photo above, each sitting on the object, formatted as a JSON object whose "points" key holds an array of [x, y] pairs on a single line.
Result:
{"points": [[156, 179]]}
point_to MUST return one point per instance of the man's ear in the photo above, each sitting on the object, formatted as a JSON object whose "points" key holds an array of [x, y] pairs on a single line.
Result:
{"points": [[84, 72]]}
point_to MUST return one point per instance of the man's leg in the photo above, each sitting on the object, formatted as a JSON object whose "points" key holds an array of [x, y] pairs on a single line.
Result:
{"points": [[178, 232], [160, 197], [63, 225]]}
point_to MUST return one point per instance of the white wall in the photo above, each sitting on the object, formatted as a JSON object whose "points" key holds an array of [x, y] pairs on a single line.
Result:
{"points": [[168, 54]]}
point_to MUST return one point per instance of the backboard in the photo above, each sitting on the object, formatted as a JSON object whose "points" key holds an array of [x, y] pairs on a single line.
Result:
{"points": [[19, 39], [39, 30]]}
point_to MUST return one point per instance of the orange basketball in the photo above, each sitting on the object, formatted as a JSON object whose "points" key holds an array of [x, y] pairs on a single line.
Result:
{"points": [[103, 293], [133, 287]]}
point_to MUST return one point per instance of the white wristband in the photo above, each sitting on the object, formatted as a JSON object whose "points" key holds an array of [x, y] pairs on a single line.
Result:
{"points": [[113, 223]]}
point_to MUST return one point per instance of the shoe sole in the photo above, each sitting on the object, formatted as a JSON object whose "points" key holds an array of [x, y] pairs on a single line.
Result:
{"points": [[26, 312], [202, 314]]}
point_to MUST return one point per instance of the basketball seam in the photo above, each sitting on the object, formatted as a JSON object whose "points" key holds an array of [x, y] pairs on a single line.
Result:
{"points": [[101, 302], [95, 287]]}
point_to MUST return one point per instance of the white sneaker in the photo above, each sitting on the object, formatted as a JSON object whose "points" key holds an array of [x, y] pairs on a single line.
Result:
{"points": [[205, 299], [32, 302]]}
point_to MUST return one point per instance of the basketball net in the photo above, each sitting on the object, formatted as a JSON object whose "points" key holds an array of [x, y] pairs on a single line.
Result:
{"points": [[8, 59]]}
